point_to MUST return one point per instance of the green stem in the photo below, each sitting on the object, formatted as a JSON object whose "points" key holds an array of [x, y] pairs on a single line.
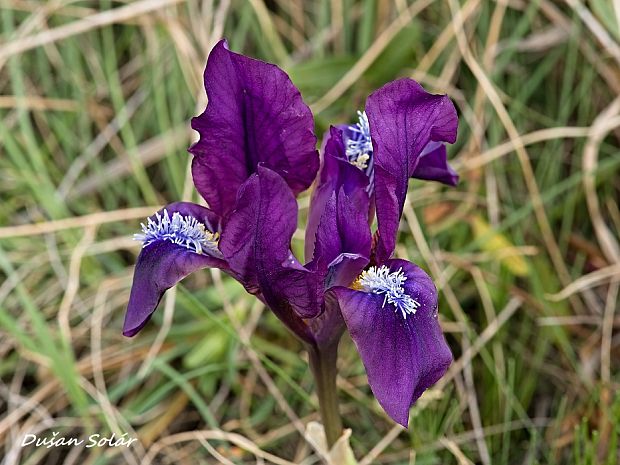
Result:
{"points": [[323, 366]]}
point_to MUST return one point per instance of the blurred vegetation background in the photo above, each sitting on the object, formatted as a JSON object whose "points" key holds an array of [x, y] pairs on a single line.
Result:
{"points": [[95, 102]]}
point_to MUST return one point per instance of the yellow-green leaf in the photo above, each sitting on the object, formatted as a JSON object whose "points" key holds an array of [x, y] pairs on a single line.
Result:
{"points": [[499, 247]]}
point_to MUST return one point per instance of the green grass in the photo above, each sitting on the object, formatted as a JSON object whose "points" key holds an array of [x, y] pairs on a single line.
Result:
{"points": [[98, 122]]}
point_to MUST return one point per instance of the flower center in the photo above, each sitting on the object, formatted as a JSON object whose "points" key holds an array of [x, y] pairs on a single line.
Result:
{"points": [[359, 147], [379, 280], [185, 231]]}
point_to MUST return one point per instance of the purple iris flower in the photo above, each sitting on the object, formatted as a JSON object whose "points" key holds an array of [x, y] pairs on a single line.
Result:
{"points": [[390, 307], [255, 116], [256, 152]]}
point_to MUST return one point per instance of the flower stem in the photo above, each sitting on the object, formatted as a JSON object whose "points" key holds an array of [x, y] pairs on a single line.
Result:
{"points": [[323, 366]]}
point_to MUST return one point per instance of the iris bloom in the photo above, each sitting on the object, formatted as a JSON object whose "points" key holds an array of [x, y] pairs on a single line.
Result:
{"points": [[256, 152]]}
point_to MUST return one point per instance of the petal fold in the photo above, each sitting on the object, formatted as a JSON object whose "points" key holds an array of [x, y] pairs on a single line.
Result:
{"points": [[433, 165], [403, 356], [255, 115], [403, 119], [179, 239], [257, 244]]}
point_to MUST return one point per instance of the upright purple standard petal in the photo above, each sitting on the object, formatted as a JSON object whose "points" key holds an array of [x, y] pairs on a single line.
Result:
{"points": [[257, 244], [178, 240], [255, 115], [403, 119], [392, 319], [343, 238], [336, 175]]}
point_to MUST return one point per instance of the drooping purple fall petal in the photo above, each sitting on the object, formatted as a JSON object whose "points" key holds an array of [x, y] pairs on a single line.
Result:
{"points": [[255, 115], [178, 240], [392, 320], [403, 119], [257, 244]]}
